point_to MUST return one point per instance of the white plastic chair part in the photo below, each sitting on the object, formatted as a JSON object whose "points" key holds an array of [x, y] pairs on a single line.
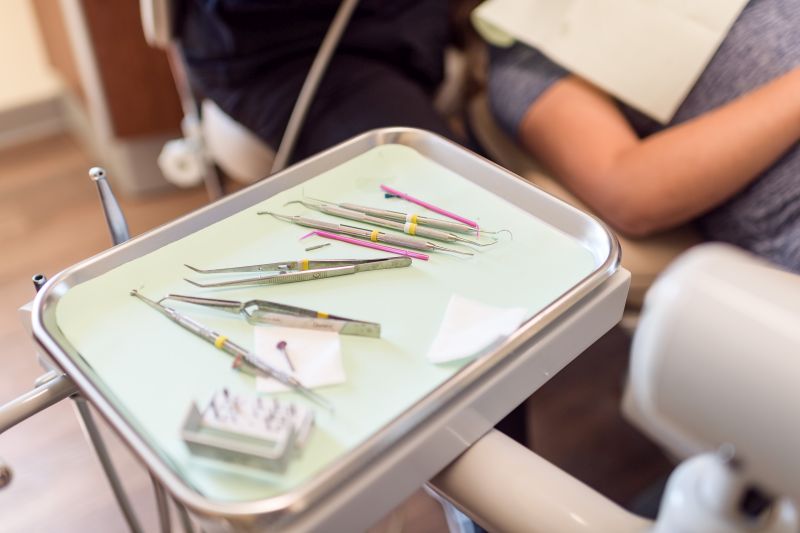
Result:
{"points": [[241, 154], [506, 487], [182, 163], [716, 360], [704, 494]]}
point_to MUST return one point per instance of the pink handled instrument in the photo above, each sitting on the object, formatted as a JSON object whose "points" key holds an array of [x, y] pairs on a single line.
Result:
{"points": [[429, 206], [367, 244]]}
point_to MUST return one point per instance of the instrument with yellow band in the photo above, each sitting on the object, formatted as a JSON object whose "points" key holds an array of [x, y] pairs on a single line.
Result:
{"points": [[301, 270], [219, 342], [258, 312], [410, 225], [244, 359], [373, 234]]}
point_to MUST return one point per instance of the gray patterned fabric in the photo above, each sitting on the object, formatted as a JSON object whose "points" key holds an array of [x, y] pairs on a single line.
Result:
{"points": [[763, 44]]}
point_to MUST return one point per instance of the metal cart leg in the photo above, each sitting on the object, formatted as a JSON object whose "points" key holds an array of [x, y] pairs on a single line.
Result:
{"points": [[184, 516], [162, 504], [49, 389], [93, 434]]}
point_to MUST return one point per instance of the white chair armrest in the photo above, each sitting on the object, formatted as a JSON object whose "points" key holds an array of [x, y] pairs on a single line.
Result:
{"points": [[506, 487]]}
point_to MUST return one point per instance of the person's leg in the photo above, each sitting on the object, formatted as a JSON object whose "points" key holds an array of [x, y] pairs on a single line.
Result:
{"points": [[356, 94], [359, 94]]}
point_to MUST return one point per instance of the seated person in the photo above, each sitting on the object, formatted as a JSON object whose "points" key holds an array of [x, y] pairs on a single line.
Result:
{"points": [[251, 57], [729, 158]]}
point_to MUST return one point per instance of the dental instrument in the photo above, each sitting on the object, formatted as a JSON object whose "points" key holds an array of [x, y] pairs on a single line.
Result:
{"points": [[399, 216], [367, 244], [281, 346], [372, 235], [318, 246], [221, 342], [326, 268], [259, 312], [411, 228], [426, 205]]}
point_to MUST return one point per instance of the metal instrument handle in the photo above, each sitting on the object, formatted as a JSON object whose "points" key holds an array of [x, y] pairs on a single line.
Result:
{"points": [[278, 279], [394, 262], [317, 224], [445, 224], [402, 240], [227, 305], [401, 217], [398, 225], [381, 213]]}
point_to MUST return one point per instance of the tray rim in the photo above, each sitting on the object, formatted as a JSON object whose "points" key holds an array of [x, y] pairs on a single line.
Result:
{"points": [[283, 506]]}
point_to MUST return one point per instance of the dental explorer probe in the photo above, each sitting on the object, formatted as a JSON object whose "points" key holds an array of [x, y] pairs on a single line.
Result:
{"points": [[399, 216], [411, 228], [371, 235], [222, 342]]}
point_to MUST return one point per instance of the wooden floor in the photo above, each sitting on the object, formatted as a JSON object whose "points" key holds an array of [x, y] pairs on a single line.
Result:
{"points": [[50, 219]]}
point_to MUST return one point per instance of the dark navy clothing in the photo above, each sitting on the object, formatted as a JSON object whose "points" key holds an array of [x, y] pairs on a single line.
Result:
{"points": [[251, 57]]}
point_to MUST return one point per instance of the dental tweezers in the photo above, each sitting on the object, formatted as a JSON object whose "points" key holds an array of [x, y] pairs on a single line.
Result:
{"points": [[244, 359], [306, 269], [264, 312]]}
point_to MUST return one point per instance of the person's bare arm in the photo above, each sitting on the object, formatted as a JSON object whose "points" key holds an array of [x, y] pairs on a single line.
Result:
{"points": [[641, 186]]}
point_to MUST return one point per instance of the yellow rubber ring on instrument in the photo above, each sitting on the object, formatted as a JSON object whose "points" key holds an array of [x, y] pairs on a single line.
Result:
{"points": [[374, 235], [219, 342], [320, 314], [304, 264], [413, 219], [412, 229]]}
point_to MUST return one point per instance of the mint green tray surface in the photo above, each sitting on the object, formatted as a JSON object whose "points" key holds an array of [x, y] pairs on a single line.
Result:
{"points": [[152, 369]]}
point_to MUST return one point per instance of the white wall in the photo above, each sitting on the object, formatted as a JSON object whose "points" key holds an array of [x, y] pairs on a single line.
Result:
{"points": [[25, 76]]}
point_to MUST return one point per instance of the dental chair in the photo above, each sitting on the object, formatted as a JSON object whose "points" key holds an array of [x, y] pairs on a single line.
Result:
{"points": [[714, 376]]}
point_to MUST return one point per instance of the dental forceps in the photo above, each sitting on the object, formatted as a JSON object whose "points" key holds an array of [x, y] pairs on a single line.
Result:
{"points": [[245, 360], [307, 269], [258, 312], [411, 228], [372, 235]]}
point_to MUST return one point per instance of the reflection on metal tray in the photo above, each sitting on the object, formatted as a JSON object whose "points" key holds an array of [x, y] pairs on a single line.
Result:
{"points": [[395, 404]]}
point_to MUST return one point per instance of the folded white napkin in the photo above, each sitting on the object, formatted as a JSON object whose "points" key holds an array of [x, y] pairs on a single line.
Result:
{"points": [[316, 356], [468, 327]]}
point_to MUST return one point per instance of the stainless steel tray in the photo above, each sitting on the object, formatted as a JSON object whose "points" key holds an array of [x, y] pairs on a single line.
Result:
{"points": [[356, 468]]}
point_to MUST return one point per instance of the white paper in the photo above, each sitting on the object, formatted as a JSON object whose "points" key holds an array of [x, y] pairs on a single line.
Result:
{"points": [[316, 356], [469, 327], [647, 53]]}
